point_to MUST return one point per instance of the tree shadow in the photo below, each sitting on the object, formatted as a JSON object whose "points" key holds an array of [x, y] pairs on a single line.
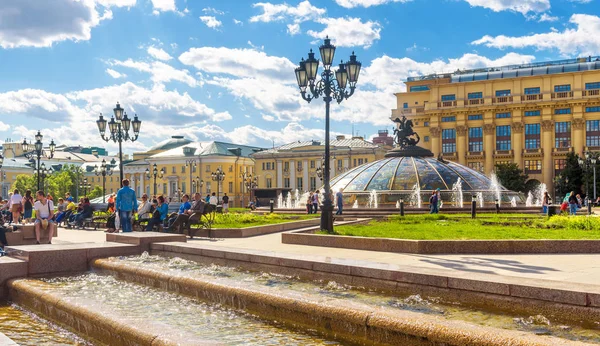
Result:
{"points": [[486, 265]]}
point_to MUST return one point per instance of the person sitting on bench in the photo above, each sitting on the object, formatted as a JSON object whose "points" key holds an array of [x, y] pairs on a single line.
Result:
{"points": [[159, 213], [182, 220], [185, 206], [86, 213], [44, 212]]}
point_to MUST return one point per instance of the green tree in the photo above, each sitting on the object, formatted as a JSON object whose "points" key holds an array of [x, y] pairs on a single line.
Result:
{"points": [[24, 182], [571, 178], [95, 193], [511, 176], [59, 183]]}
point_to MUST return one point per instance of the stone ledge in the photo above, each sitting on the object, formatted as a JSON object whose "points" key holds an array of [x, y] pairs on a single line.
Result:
{"points": [[144, 239], [444, 246]]}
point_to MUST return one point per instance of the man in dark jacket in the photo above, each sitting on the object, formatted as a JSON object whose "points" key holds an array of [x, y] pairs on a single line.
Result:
{"points": [[183, 219]]}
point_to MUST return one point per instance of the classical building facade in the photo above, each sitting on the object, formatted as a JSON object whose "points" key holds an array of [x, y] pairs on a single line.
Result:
{"points": [[532, 114], [296, 165]]}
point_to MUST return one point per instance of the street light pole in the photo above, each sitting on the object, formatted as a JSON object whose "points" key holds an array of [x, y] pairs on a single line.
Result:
{"points": [[35, 152], [85, 186], [104, 170], [43, 174], [332, 86], [191, 163], [218, 176], [155, 174], [119, 131]]}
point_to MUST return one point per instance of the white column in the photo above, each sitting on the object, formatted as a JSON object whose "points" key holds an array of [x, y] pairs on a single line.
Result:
{"points": [[305, 180], [333, 167], [143, 188], [279, 183], [132, 183], [293, 174]]}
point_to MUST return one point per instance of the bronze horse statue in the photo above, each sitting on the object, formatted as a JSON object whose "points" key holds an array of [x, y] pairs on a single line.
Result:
{"points": [[403, 133]]}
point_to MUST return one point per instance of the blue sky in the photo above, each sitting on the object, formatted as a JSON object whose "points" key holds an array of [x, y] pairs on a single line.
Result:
{"points": [[223, 70]]}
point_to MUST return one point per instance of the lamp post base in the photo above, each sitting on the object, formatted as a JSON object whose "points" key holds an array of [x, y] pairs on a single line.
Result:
{"points": [[327, 217]]}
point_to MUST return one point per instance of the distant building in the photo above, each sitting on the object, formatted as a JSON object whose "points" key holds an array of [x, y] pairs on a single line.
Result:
{"points": [[384, 139]]}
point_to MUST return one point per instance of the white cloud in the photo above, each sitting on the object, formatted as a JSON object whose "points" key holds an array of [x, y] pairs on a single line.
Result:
{"points": [[212, 10], [293, 29], [238, 22], [581, 1], [348, 32], [521, 6], [279, 12], [4, 127], [238, 62], [158, 53], [547, 18], [160, 72], [365, 3], [163, 6], [584, 39], [211, 21], [33, 23], [115, 74]]}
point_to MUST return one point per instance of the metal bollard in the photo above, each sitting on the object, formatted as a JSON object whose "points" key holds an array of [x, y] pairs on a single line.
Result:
{"points": [[589, 206], [497, 202], [401, 207], [473, 206], [271, 205]]}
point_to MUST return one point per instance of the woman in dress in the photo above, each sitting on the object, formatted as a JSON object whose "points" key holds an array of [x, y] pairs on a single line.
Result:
{"points": [[16, 206]]}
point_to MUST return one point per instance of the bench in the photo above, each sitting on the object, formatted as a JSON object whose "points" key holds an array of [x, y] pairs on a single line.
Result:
{"points": [[205, 221], [25, 235]]}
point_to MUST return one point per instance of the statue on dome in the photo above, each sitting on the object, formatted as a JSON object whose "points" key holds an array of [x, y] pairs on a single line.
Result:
{"points": [[404, 136]]}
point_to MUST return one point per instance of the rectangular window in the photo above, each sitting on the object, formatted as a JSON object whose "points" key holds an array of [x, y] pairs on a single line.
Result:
{"points": [[182, 169], [476, 95], [475, 139], [165, 189], [503, 137], [501, 93], [592, 109], [312, 164], [559, 165], [230, 187], [405, 105], [194, 168], [174, 169], [299, 185], [532, 91], [592, 86], [562, 111], [532, 113], [532, 136], [426, 123], [230, 169], [562, 134], [562, 88], [533, 166], [448, 119], [313, 183], [476, 117], [207, 168], [207, 187], [502, 115], [426, 138], [286, 166], [415, 88], [340, 164], [449, 97], [448, 140], [183, 187], [286, 182], [269, 183], [592, 133], [263, 166], [360, 161]]}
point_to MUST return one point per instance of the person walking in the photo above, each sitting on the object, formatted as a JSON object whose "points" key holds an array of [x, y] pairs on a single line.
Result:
{"points": [[339, 200], [433, 203], [545, 202], [573, 203], [315, 201], [126, 203], [225, 201]]}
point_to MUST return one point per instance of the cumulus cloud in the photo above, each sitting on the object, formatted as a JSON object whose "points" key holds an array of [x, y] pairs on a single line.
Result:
{"points": [[293, 29], [547, 18], [158, 53], [4, 127], [33, 23], [521, 6], [211, 21], [348, 32], [583, 39], [160, 72], [212, 10], [304, 11], [115, 74], [163, 6], [365, 3]]}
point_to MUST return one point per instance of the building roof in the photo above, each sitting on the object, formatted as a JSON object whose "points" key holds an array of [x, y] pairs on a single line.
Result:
{"points": [[16, 163], [209, 149], [173, 142], [354, 142], [513, 71]]}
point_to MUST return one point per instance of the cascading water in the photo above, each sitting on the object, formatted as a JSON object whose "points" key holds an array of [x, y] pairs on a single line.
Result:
{"points": [[457, 193], [539, 193], [280, 201], [373, 203], [529, 200], [513, 202], [415, 196], [480, 199], [496, 187], [355, 204], [398, 204]]}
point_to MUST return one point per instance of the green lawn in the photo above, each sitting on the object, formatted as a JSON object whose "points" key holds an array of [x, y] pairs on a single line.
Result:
{"points": [[504, 226], [241, 220]]}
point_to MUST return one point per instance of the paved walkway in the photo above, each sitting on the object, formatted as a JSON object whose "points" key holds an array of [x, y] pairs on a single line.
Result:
{"points": [[580, 269]]}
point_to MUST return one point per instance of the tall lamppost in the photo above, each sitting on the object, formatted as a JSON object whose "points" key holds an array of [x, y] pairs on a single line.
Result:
{"points": [[589, 162], [35, 152], [44, 173], [332, 86], [191, 163], [155, 174], [218, 176], [119, 131], [197, 184], [250, 183], [104, 170], [85, 186]]}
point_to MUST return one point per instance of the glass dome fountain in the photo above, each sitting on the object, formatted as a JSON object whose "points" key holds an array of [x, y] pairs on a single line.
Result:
{"points": [[411, 173]]}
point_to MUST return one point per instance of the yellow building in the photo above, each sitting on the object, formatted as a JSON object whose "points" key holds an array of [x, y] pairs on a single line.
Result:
{"points": [[188, 168], [532, 114], [296, 165]]}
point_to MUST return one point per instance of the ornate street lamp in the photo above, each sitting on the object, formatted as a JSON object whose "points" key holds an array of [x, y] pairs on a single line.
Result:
{"points": [[104, 170], [44, 173], [218, 176], [119, 131], [332, 86], [249, 182], [191, 163], [35, 152], [155, 174], [587, 163], [85, 186], [198, 184]]}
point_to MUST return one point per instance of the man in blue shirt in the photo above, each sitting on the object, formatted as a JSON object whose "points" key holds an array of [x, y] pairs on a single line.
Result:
{"points": [[185, 206], [126, 204], [339, 201]]}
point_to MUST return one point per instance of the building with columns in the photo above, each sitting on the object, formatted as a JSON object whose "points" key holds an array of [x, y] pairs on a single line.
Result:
{"points": [[296, 165], [531, 114]]}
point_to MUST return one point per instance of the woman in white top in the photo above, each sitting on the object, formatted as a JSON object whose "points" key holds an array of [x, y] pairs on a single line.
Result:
{"points": [[44, 213], [16, 206]]}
